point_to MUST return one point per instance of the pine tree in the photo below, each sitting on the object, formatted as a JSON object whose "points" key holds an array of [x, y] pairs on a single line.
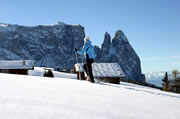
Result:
{"points": [[176, 82], [165, 82], [174, 74]]}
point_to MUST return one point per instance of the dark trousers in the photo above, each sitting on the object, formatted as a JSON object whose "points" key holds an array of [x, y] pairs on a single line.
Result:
{"points": [[88, 68]]}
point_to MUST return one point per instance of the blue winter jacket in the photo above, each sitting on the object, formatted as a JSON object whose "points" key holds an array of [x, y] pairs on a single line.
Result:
{"points": [[87, 49]]}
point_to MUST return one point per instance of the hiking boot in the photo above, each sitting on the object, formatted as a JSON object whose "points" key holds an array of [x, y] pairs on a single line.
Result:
{"points": [[92, 81]]}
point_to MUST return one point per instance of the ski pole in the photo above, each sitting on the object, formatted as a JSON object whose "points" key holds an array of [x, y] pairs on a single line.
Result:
{"points": [[77, 64]]}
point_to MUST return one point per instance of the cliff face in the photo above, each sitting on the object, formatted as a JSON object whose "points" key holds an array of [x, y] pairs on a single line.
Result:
{"points": [[52, 46], [120, 51]]}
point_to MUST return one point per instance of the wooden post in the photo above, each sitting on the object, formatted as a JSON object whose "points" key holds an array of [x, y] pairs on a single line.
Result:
{"points": [[82, 76]]}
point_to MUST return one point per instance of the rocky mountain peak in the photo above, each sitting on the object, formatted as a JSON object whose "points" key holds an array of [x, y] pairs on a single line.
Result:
{"points": [[107, 37], [106, 44], [118, 34], [120, 51]]}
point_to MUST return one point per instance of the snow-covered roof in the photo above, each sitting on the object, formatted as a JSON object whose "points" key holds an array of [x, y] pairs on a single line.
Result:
{"points": [[16, 64], [103, 69]]}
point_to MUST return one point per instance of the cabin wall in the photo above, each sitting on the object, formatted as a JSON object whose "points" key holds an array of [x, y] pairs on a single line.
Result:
{"points": [[15, 71], [4, 71], [18, 71], [115, 80]]}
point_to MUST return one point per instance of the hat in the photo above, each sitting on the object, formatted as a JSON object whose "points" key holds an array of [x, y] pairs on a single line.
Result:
{"points": [[86, 38]]}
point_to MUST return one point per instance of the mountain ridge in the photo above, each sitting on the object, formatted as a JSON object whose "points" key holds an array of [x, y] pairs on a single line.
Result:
{"points": [[52, 46]]}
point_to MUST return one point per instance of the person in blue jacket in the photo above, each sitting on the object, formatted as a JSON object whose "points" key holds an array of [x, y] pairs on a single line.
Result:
{"points": [[88, 51]]}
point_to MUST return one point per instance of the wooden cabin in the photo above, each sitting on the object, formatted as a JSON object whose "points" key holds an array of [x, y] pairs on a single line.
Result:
{"points": [[107, 72], [16, 66]]}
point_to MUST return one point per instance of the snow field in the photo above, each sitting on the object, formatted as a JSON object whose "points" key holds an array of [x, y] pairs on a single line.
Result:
{"points": [[32, 97]]}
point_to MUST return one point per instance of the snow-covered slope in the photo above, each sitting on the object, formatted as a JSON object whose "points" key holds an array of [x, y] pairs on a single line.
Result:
{"points": [[39, 71], [32, 97]]}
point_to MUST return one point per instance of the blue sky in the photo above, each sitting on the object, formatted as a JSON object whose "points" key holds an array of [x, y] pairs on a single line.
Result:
{"points": [[151, 26]]}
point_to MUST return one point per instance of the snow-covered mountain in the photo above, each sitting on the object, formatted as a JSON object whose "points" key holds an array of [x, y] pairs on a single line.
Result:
{"points": [[48, 45], [156, 77], [52, 46], [63, 97]]}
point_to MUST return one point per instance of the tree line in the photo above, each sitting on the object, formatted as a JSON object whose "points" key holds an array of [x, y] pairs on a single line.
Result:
{"points": [[171, 85]]}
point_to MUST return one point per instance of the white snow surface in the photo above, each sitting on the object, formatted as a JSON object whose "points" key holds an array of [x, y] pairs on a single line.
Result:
{"points": [[34, 97], [39, 71]]}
